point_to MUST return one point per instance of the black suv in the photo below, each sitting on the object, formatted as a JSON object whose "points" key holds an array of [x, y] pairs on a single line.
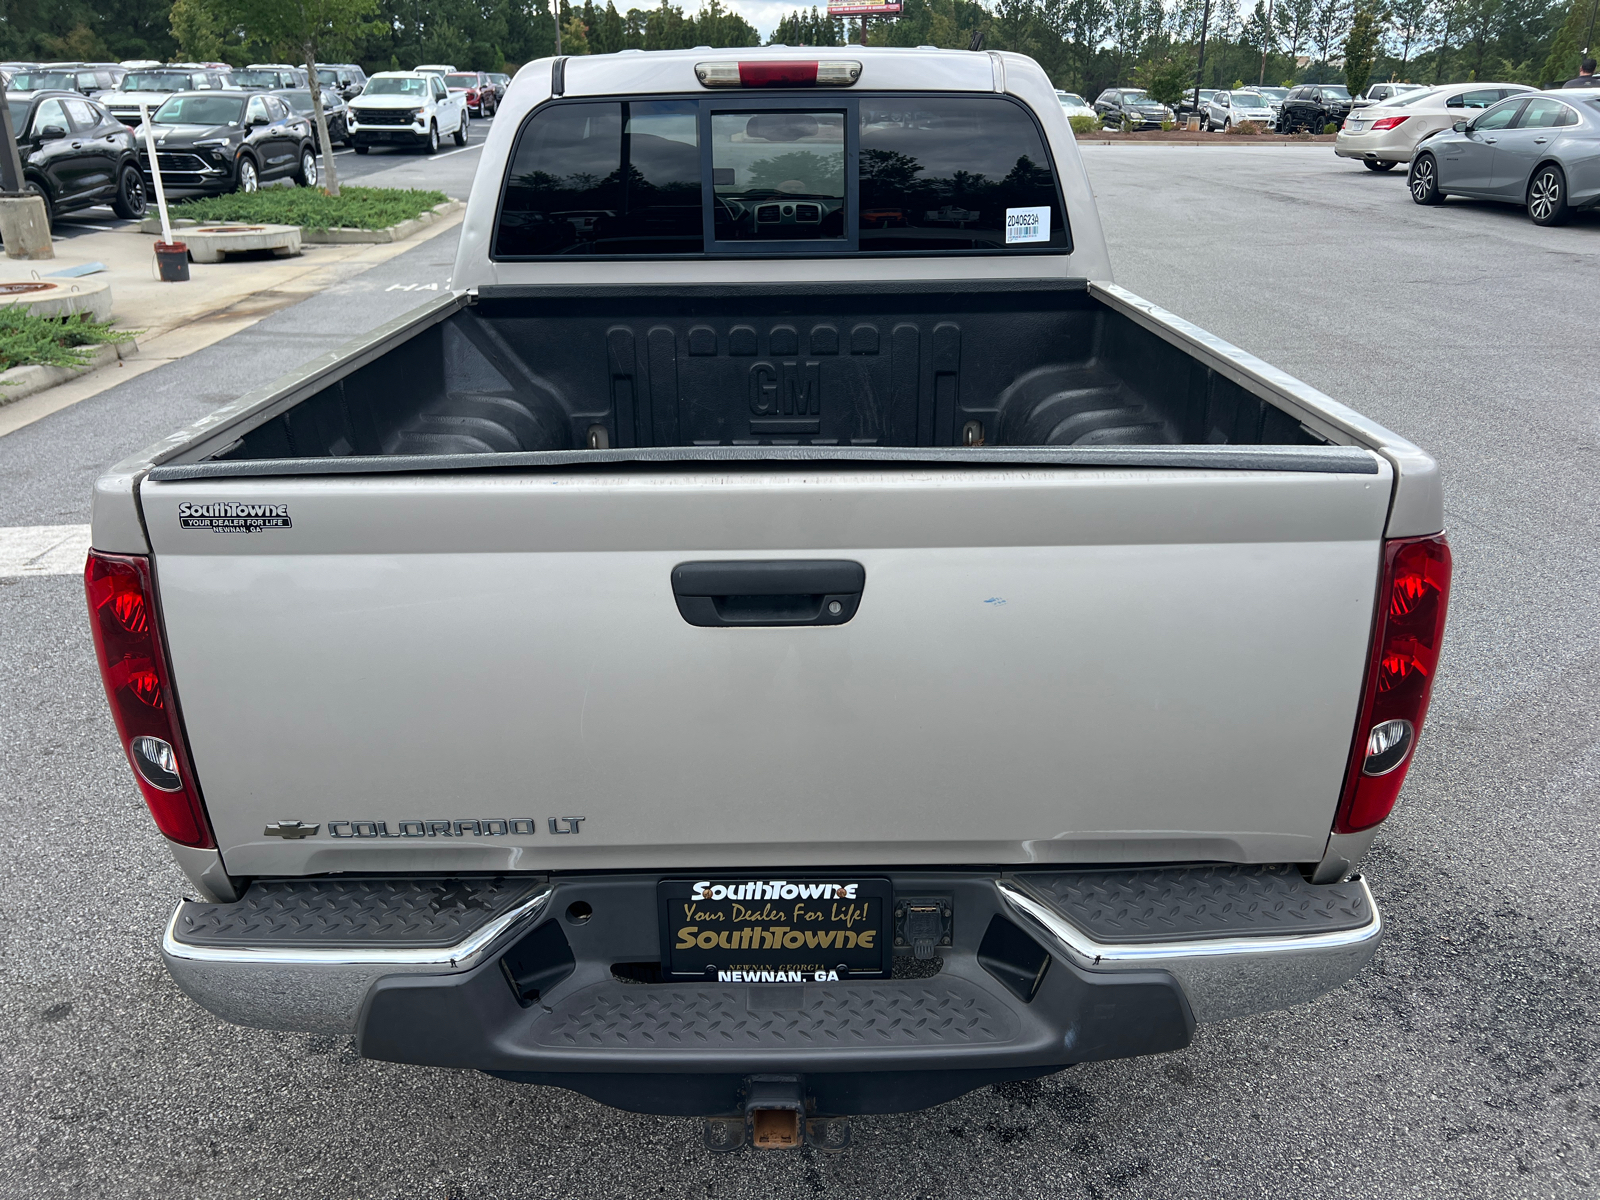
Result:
{"points": [[1129, 109], [334, 110], [225, 141], [345, 78], [74, 154], [1313, 106]]}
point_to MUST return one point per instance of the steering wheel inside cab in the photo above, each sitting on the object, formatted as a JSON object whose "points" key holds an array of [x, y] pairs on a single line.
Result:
{"points": [[790, 209]]}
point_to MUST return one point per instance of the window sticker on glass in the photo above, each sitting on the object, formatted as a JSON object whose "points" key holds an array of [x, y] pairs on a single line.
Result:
{"points": [[1027, 225]]}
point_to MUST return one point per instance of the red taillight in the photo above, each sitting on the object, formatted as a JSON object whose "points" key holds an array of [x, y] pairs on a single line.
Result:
{"points": [[472, 96], [1388, 123], [1412, 598], [133, 665]]}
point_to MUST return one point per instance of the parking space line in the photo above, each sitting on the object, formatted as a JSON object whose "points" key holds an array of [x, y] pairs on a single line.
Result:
{"points": [[463, 150]]}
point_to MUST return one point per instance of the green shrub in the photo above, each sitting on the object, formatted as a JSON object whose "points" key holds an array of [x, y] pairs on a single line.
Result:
{"points": [[1245, 128], [1082, 125], [1168, 126], [1330, 127], [26, 338], [312, 208]]}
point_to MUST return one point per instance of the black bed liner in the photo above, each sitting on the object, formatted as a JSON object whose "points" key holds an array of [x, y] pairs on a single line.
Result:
{"points": [[1028, 374]]}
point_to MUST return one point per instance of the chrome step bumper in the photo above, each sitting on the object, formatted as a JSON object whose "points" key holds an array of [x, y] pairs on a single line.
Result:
{"points": [[310, 955], [1238, 940], [303, 954]]}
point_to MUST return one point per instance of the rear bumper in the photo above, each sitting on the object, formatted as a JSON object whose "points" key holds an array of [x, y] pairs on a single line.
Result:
{"points": [[1381, 146], [1134, 960]]}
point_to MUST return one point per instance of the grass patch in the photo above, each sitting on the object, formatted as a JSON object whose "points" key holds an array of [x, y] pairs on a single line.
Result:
{"points": [[27, 338], [1082, 124], [312, 208]]}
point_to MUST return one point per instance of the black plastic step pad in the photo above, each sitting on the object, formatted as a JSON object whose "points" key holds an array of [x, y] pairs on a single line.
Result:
{"points": [[371, 913], [1171, 904], [944, 1011]]}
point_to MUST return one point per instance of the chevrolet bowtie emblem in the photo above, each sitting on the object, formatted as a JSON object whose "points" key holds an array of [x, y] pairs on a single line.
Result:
{"points": [[290, 829]]}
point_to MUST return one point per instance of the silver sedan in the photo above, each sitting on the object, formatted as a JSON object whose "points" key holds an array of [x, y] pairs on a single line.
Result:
{"points": [[1541, 151]]}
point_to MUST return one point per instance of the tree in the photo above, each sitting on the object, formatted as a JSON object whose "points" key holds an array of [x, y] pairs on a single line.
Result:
{"points": [[802, 29], [1446, 20], [194, 28], [605, 31], [1293, 18], [1566, 52], [304, 26], [1481, 22], [1130, 26], [1166, 80], [1361, 47], [1326, 24], [1408, 20], [575, 36]]}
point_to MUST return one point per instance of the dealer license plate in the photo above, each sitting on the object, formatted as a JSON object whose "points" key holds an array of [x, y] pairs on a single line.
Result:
{"points": [[765, 929]]}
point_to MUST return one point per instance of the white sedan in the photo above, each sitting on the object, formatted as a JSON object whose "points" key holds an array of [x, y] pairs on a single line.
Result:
{"points": [[1073, 105], [1386, 133]]}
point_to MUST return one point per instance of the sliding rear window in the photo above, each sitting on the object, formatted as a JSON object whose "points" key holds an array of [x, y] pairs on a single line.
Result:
{"points": [[741, 176]]}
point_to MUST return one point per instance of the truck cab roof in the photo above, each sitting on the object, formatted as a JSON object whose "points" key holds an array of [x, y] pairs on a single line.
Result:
{"points": [[893, 68]]}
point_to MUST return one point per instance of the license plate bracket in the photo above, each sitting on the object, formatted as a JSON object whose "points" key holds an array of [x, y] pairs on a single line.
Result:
{"points": [[766, 929]]}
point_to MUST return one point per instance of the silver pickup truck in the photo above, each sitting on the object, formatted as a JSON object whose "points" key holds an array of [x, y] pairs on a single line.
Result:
{"points": [[786, 636]]}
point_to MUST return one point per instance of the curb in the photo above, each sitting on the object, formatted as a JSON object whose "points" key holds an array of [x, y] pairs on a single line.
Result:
{"points": [[21, 382], [395, 233], [339, 237]]}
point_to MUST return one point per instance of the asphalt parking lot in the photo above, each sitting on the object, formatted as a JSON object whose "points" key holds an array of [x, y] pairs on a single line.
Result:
{"points": [[1462, 1064]]}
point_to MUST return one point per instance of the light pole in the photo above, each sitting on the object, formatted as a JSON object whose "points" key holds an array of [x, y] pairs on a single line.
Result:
{"points": [[1205, 22], [1266, 33], [1589, 41]]}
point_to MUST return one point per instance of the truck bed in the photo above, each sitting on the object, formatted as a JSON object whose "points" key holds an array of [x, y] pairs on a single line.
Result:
{"points": [[526, 370], [1140, 639]]}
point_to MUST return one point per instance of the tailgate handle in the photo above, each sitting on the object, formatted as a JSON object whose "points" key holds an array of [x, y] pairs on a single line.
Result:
{"points": [[769, 592]]}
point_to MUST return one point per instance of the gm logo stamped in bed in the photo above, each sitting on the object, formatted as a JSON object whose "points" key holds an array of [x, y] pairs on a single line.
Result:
{"points": [[229, 517]]}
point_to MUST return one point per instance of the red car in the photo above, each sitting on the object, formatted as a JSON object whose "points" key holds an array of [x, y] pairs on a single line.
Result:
{"points": [[483, 96]]}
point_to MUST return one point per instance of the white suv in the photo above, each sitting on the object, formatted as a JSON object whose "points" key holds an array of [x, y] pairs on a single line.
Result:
{"points": [[407, 108], [1227, 109]]}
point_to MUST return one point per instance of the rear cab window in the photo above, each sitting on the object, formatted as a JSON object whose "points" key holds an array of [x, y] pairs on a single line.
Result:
{"points": [[740, 176]]}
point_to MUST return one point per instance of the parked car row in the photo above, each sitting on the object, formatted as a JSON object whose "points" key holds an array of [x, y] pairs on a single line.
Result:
{"points": [[215, 134], [1385, 134], [1539, 150], [1485, 141]]}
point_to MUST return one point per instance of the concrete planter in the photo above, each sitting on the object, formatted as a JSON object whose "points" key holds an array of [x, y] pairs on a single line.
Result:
{"points": [[47, 298], [21, 382], [208, 243]]}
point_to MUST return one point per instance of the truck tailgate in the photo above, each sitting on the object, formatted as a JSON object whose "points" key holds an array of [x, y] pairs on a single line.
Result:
{"points": [[443, 672]]}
